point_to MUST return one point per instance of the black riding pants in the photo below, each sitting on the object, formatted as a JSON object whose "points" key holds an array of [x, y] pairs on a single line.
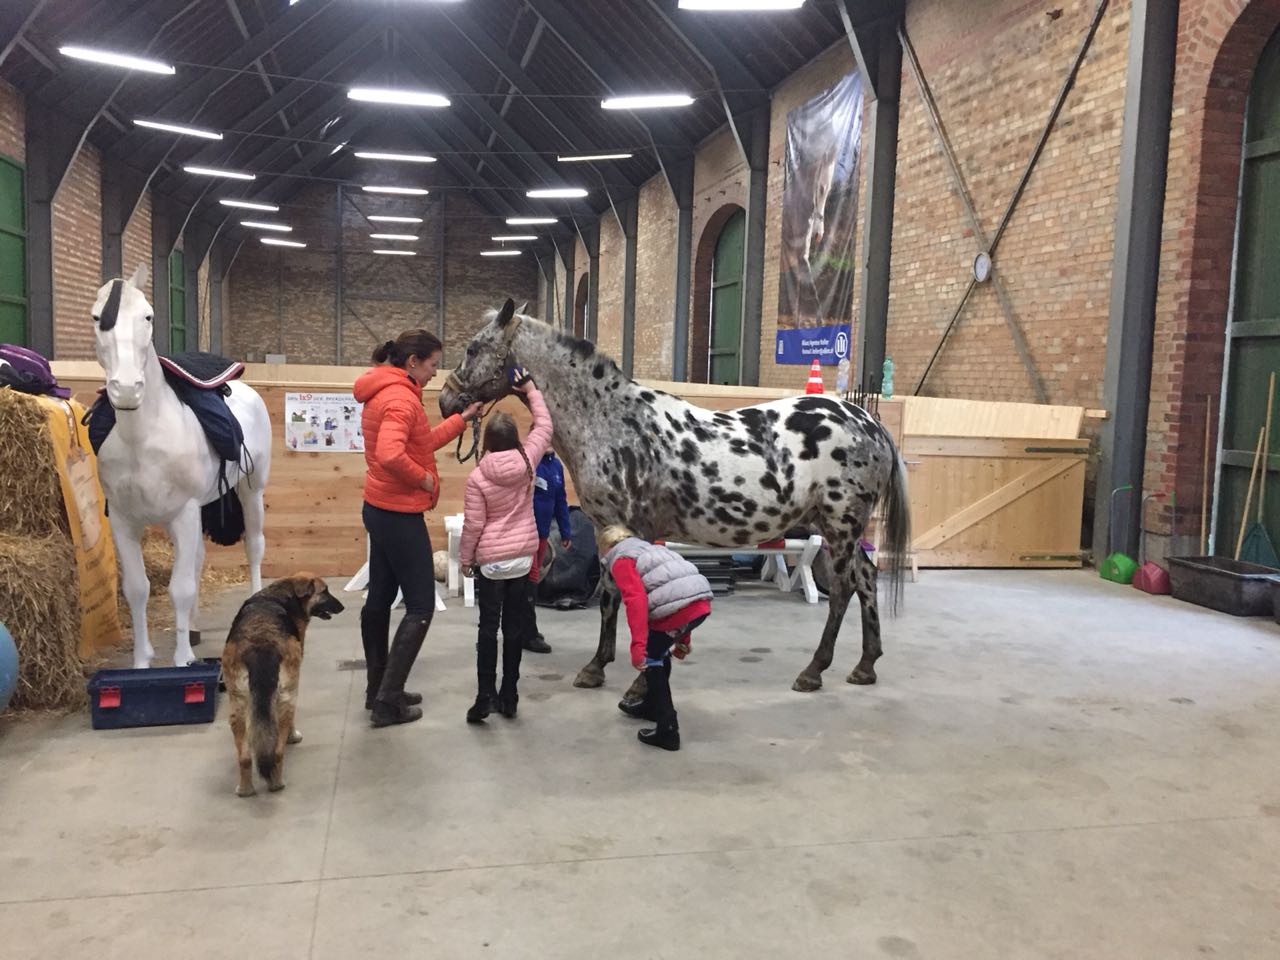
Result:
{"points": [[502, 603], [400, 557]]}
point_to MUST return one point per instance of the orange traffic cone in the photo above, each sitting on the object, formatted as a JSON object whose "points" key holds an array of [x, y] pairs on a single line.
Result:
{"points": [[815, 384]]}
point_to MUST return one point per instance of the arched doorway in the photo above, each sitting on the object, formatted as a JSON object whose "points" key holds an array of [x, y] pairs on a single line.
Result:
{"points": [[717, 264], [724, 350], [1254, 333], [580, 308]]}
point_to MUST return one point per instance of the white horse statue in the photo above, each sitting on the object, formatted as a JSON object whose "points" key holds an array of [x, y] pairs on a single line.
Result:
{"points": [[157, 466]]}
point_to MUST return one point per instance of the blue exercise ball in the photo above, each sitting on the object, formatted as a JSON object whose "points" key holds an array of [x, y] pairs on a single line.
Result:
{"points": [[8, 668]]}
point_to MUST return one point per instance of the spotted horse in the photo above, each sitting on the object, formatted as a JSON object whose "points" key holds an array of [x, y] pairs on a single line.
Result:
{"points": [[667, 469]]}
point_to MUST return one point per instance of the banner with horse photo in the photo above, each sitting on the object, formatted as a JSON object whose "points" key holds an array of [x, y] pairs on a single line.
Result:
{"points": [[819, 213]]}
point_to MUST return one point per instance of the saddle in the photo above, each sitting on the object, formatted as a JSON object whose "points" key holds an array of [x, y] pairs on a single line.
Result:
{"points": [[201, 381]]}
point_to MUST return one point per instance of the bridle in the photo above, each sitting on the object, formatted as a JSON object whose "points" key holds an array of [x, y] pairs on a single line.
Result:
{"points": [[505, 354]]}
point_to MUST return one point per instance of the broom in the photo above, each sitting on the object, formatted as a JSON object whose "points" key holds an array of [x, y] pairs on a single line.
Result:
{"points": [[1257, 546]]}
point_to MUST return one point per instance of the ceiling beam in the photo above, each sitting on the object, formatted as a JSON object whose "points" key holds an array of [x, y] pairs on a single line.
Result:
{"points": [[15, 17]]}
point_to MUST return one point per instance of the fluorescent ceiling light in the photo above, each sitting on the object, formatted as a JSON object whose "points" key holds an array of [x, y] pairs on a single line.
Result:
{"points": [[248, 205], [556, 193], [393, 236], [217, 172], [383, 219], [529, 221], [397, 253], [741, 5], [277, 242], [647, 101], [262, 225], [501, 253], [405, 191], [115, 59], [406, 157], [404, 98], [514, 236], [178, 128], [587, 157], [337, 148]]}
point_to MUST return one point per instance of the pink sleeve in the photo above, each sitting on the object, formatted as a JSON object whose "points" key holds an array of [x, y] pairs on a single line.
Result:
{"points": [[473, 517], [540, 436]]}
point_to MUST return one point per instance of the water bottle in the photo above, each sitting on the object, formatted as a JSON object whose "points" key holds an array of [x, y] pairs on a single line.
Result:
{"points": [[842, 377], [886, 388]]}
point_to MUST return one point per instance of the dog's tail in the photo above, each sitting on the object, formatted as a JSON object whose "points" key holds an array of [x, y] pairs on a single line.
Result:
{"points": [[262, 661]]}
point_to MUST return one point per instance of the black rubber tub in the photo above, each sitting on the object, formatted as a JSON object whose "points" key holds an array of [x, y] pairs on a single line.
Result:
{"points": [[1232, 586]]}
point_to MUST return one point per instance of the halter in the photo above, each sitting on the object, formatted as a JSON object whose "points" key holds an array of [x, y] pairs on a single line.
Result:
{"points": [[466, 399]]}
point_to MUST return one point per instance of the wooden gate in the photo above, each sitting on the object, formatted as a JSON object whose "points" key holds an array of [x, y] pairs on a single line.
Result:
{"points": [[995, 502]]}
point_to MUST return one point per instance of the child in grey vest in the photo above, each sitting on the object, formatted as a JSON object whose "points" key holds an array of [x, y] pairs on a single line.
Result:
{"points": [[664, 597]]}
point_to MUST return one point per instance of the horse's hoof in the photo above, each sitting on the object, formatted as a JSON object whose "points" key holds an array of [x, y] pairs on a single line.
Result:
{"points": [[245, 791], [276, 787], [295, 736], [142, 664], [807, 684], [861, 677], [589, 677]]}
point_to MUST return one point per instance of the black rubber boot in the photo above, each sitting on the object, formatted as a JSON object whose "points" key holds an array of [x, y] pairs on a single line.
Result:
{"points": [[485, 700], [534, 641], [375, 626], [391, 707], [667, 732], [664, 735]]}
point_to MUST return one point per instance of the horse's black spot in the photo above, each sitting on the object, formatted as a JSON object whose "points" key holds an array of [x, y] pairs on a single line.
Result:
{"points": [[839, 455], [749, 507], [703, 434], [647, 396], [598, 370], [739, 480], [689, 452], [741, 537], [834, 482], [762, 526], [769, 482], [835, 496], [711, 470], [771, 511], [811, 427], [737, 446], [724, 516]]}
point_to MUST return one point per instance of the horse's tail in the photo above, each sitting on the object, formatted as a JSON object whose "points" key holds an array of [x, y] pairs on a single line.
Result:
{"points": [[897, 525]]}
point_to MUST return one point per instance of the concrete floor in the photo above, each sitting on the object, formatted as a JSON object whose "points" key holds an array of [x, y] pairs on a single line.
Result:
{"points": [[1051, 766]]}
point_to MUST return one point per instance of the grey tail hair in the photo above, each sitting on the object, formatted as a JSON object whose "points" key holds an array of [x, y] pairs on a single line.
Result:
{"points": [[897, 521]]}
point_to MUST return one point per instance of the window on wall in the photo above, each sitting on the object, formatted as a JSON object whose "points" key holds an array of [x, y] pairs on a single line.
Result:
{"points": [[177, 303], [13, 254]]}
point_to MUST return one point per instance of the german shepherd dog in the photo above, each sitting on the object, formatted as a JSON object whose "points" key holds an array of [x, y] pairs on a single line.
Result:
{"points": [[260, 666]]}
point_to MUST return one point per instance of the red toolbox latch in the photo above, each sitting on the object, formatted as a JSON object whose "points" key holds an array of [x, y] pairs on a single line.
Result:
{"points": [[193, 693], [108, 697]]}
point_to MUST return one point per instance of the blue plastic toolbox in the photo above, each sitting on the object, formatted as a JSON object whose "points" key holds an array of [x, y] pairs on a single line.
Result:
{"points": [[154, 697]]}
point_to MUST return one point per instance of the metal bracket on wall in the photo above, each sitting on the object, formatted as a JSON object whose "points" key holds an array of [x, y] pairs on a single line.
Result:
{"points": [[987, 248]]}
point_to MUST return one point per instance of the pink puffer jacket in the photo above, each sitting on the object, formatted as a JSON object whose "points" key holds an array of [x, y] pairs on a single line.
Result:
{"points": [[498, 519]]}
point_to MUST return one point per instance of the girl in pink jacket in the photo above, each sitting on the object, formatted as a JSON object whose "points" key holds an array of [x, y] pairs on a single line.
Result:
{"points": [[499, 538]]}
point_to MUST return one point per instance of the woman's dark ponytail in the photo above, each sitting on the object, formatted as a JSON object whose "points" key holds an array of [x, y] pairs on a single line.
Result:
{"points": [[411, 343]]}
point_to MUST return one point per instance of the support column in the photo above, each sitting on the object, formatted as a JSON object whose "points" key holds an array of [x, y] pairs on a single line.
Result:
{"points": [[566, 248], [122, 188], [217, 274], [755, 126], [338, 272], [680, 177], [166, 226], [1144, 156], [630, 229], [51, 145], [591, 240]]}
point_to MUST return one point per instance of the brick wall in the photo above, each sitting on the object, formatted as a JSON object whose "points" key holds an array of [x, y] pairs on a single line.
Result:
{"points": [[612, 265], [136, 242], [12, 123], [1219, 42], [77, 255], [995, 67], [281, 300], [655, 280]]}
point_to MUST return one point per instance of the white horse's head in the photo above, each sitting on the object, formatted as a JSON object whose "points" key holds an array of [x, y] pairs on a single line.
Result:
{"points": [[122, 338]]}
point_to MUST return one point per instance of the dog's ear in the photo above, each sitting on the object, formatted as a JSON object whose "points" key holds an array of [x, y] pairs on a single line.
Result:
{"points": [[318, 587], [304, 586]]}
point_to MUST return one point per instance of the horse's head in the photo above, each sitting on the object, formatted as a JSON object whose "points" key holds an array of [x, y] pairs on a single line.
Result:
{"points": [[122, 338], [482, 374]]}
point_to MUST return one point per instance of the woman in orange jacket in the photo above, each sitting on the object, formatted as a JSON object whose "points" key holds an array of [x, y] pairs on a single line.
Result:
{"points": [[402, 483]]}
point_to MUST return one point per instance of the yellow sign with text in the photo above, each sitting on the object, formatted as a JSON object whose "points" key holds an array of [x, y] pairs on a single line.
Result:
{"points": [[90, 530]]}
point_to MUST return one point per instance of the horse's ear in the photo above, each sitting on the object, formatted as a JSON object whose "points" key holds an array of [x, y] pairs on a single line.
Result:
{"points": [[139, 278], [523, 307], [507, 312]]}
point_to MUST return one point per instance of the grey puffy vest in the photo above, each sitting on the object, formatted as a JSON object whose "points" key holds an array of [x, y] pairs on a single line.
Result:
{"points": [[671, 581]]}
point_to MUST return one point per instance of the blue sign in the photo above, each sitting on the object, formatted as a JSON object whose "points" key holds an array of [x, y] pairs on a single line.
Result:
{"points": [[829, 344]]}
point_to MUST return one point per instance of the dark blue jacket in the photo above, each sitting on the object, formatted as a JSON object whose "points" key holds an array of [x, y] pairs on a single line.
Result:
{"points": [[549, 498]]}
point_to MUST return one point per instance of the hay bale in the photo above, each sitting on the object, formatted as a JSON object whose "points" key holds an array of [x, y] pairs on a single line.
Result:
{"points": [[40, 604], [30, 491]]}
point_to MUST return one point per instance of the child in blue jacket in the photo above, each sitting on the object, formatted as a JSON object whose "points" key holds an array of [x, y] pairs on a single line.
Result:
{"points": [[549, 500]]}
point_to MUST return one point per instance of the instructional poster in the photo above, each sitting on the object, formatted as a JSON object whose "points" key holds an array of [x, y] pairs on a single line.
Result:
{"points": [[322, 423]]}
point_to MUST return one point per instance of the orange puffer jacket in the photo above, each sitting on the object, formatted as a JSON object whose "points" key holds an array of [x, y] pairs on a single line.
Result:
{"points": [[399, 443]]}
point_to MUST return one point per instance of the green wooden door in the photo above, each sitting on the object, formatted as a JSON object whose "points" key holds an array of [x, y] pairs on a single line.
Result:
{"points": [[726, 302], [1255, 322], [177, 303], [13, 255]]}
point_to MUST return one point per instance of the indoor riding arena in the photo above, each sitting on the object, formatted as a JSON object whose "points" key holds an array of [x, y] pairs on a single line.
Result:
{"points": [[640, 478]]}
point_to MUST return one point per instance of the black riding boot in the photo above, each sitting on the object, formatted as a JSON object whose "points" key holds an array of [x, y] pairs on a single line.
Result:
{"points": [[533, 641], [667, 733], [391, 706], [375, 626], [509, 696]]}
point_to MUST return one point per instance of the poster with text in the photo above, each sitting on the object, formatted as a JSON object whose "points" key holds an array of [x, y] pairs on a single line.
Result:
{"points": [[322, 423], [819, 212]]}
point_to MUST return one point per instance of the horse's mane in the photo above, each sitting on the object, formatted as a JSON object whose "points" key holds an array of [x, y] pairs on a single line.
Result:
{"points": [[584, 350]]}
